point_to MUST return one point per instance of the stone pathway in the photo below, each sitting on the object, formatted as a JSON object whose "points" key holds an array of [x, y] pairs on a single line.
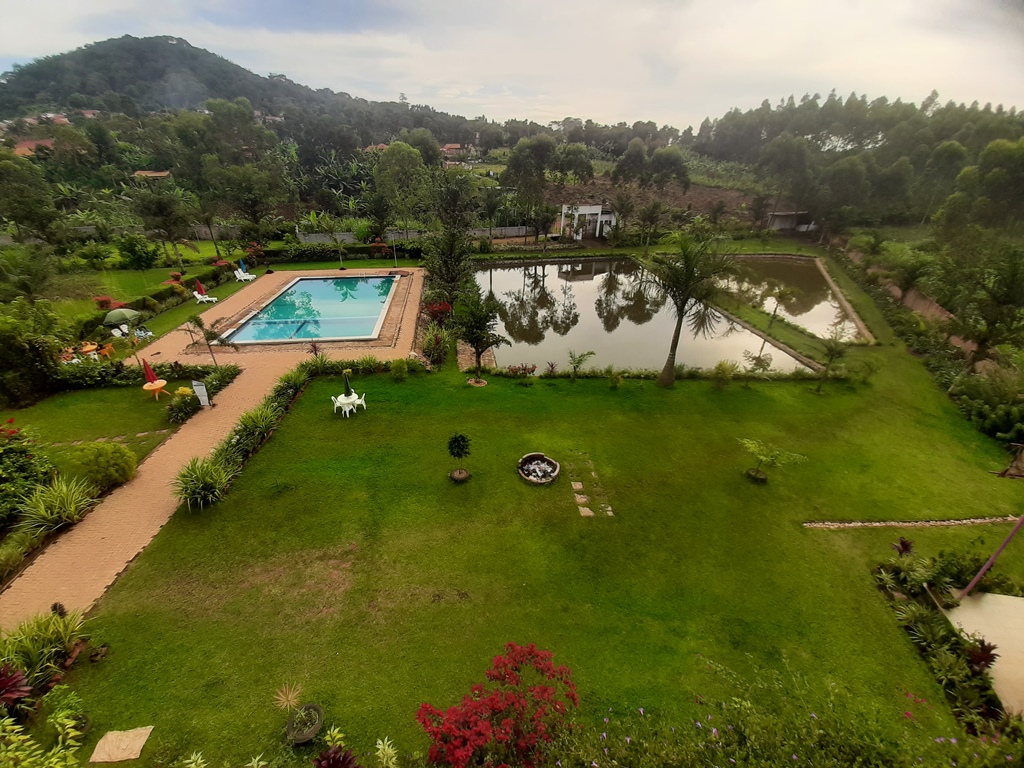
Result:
{"points": [[910, 523], [79, 566], [582, 475]]}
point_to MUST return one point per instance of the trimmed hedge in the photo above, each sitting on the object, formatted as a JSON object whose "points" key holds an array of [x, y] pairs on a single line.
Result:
{"points": [[89, 374]]}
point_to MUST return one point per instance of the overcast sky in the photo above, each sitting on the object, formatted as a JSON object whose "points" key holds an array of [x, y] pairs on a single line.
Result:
{"points": [[672, 61]]}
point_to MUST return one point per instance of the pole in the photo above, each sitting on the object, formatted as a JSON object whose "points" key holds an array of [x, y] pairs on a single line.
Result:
{"points": [[991, 560]]}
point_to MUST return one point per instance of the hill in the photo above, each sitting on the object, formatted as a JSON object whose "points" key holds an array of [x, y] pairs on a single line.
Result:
{"points": [[153, 72]]}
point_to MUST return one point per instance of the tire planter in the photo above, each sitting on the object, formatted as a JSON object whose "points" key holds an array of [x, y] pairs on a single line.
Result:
{"points": [[298, 737], [528, 466], [756, 476]]}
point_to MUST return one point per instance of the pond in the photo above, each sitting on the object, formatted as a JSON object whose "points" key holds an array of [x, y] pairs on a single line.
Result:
{"points": [[799, 290], [546, 309]]}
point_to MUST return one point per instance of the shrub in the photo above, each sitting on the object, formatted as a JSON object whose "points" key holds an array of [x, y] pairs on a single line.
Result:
{"points": [[203, 481], [183, 406], [254, 427], [22, 468], [399, 369], [103, 465], [39, 645], [437, 341], [54, 506], [369, 364], [723, 373], [290, 384], [138, 252], [513, 722], [437, 311], [318, 365]]}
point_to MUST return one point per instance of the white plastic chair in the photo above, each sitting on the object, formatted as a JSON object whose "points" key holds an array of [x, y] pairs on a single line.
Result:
{"points": [[124, 328], [346, 408], [361, 401], [203, 298], [117, 333]]}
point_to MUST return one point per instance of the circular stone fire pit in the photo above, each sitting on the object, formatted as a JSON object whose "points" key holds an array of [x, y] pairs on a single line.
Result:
{"points": [[538, 469]]}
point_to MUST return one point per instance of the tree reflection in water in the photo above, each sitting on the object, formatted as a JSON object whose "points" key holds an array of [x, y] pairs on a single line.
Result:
{"points": [[526, 313]]}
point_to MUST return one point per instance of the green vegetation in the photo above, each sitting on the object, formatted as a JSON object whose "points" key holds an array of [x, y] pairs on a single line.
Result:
{"points": [[350, 587]]}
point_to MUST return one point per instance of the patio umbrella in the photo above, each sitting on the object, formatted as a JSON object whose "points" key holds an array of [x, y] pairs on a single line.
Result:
{"points": [[241, 265], [148, 372], [199, 288], [119, 316], [348, 387]]}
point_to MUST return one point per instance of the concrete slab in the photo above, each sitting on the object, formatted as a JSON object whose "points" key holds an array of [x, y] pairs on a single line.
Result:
{"points": [[1000, 620]]}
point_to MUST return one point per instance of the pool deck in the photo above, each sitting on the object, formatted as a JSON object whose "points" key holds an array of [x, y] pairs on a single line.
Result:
{"points": [[79, 566]]}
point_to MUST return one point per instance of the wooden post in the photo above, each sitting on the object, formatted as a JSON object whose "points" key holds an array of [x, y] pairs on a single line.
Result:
{"points": [[991, 560]]}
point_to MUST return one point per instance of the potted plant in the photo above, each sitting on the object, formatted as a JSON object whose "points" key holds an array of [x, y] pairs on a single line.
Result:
{"points": [[767, 456], [458, 448], [304, 723], [304, 720]]}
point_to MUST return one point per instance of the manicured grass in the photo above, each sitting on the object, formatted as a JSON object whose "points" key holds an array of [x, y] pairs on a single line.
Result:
{"points": [[88, 414], [346, 561]]}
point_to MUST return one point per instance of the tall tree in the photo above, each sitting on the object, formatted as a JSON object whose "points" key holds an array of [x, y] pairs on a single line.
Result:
{"points": [[527, 166], [25, 198], [401, 175], [692, 277], [477, 320], [423, 141]]}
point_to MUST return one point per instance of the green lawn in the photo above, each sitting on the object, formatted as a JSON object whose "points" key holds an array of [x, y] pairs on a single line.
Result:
{"points": [[88, 414], [345, 560]]}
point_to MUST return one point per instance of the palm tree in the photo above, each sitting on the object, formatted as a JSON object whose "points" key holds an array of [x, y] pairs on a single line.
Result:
{"points": [[492, 200], [650, 217], [692, 278], [210, 336], [833, 350]]}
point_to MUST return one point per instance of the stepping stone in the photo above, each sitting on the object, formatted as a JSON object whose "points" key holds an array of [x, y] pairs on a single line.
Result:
{"points": [[77, 442], [102, 439], [609, 511], [586, 512], [594, 474], [141, 434], [116, 746], [581, 499], [119, 438], [577, 486]]}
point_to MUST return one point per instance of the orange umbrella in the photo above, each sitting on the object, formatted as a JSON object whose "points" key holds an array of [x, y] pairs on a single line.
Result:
{"points": [[199, 288], [148, 372]]}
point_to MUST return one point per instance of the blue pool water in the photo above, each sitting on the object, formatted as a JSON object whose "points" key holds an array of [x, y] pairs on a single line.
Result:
{"points": [[330, 308]]}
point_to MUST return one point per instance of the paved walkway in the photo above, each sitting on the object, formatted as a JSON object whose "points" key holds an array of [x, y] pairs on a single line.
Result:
{"points": [[81, 564], [1000, 620]]}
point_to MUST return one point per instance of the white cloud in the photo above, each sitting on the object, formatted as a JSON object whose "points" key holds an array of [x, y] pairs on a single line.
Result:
{"points": [[672, 62]]}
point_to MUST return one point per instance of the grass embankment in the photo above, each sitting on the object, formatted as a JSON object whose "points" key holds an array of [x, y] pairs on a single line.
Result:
{"points": [[344, 559]]}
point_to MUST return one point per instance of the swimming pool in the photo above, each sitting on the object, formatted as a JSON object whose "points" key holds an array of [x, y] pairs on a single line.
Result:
{"points": [[322, 309]]}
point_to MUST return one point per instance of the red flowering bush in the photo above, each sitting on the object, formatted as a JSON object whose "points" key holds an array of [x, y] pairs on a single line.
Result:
{"points": [[379, 249], [438, 311], [102, 302], [21, 468], [508, 723]]}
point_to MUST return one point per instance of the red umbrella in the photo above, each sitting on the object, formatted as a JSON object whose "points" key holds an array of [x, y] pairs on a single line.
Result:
{"points": [[148, 372], [199, 288]]}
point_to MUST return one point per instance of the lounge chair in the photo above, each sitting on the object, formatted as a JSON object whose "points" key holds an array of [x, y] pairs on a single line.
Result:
{"points": [[243, 277], [202, 298]]}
